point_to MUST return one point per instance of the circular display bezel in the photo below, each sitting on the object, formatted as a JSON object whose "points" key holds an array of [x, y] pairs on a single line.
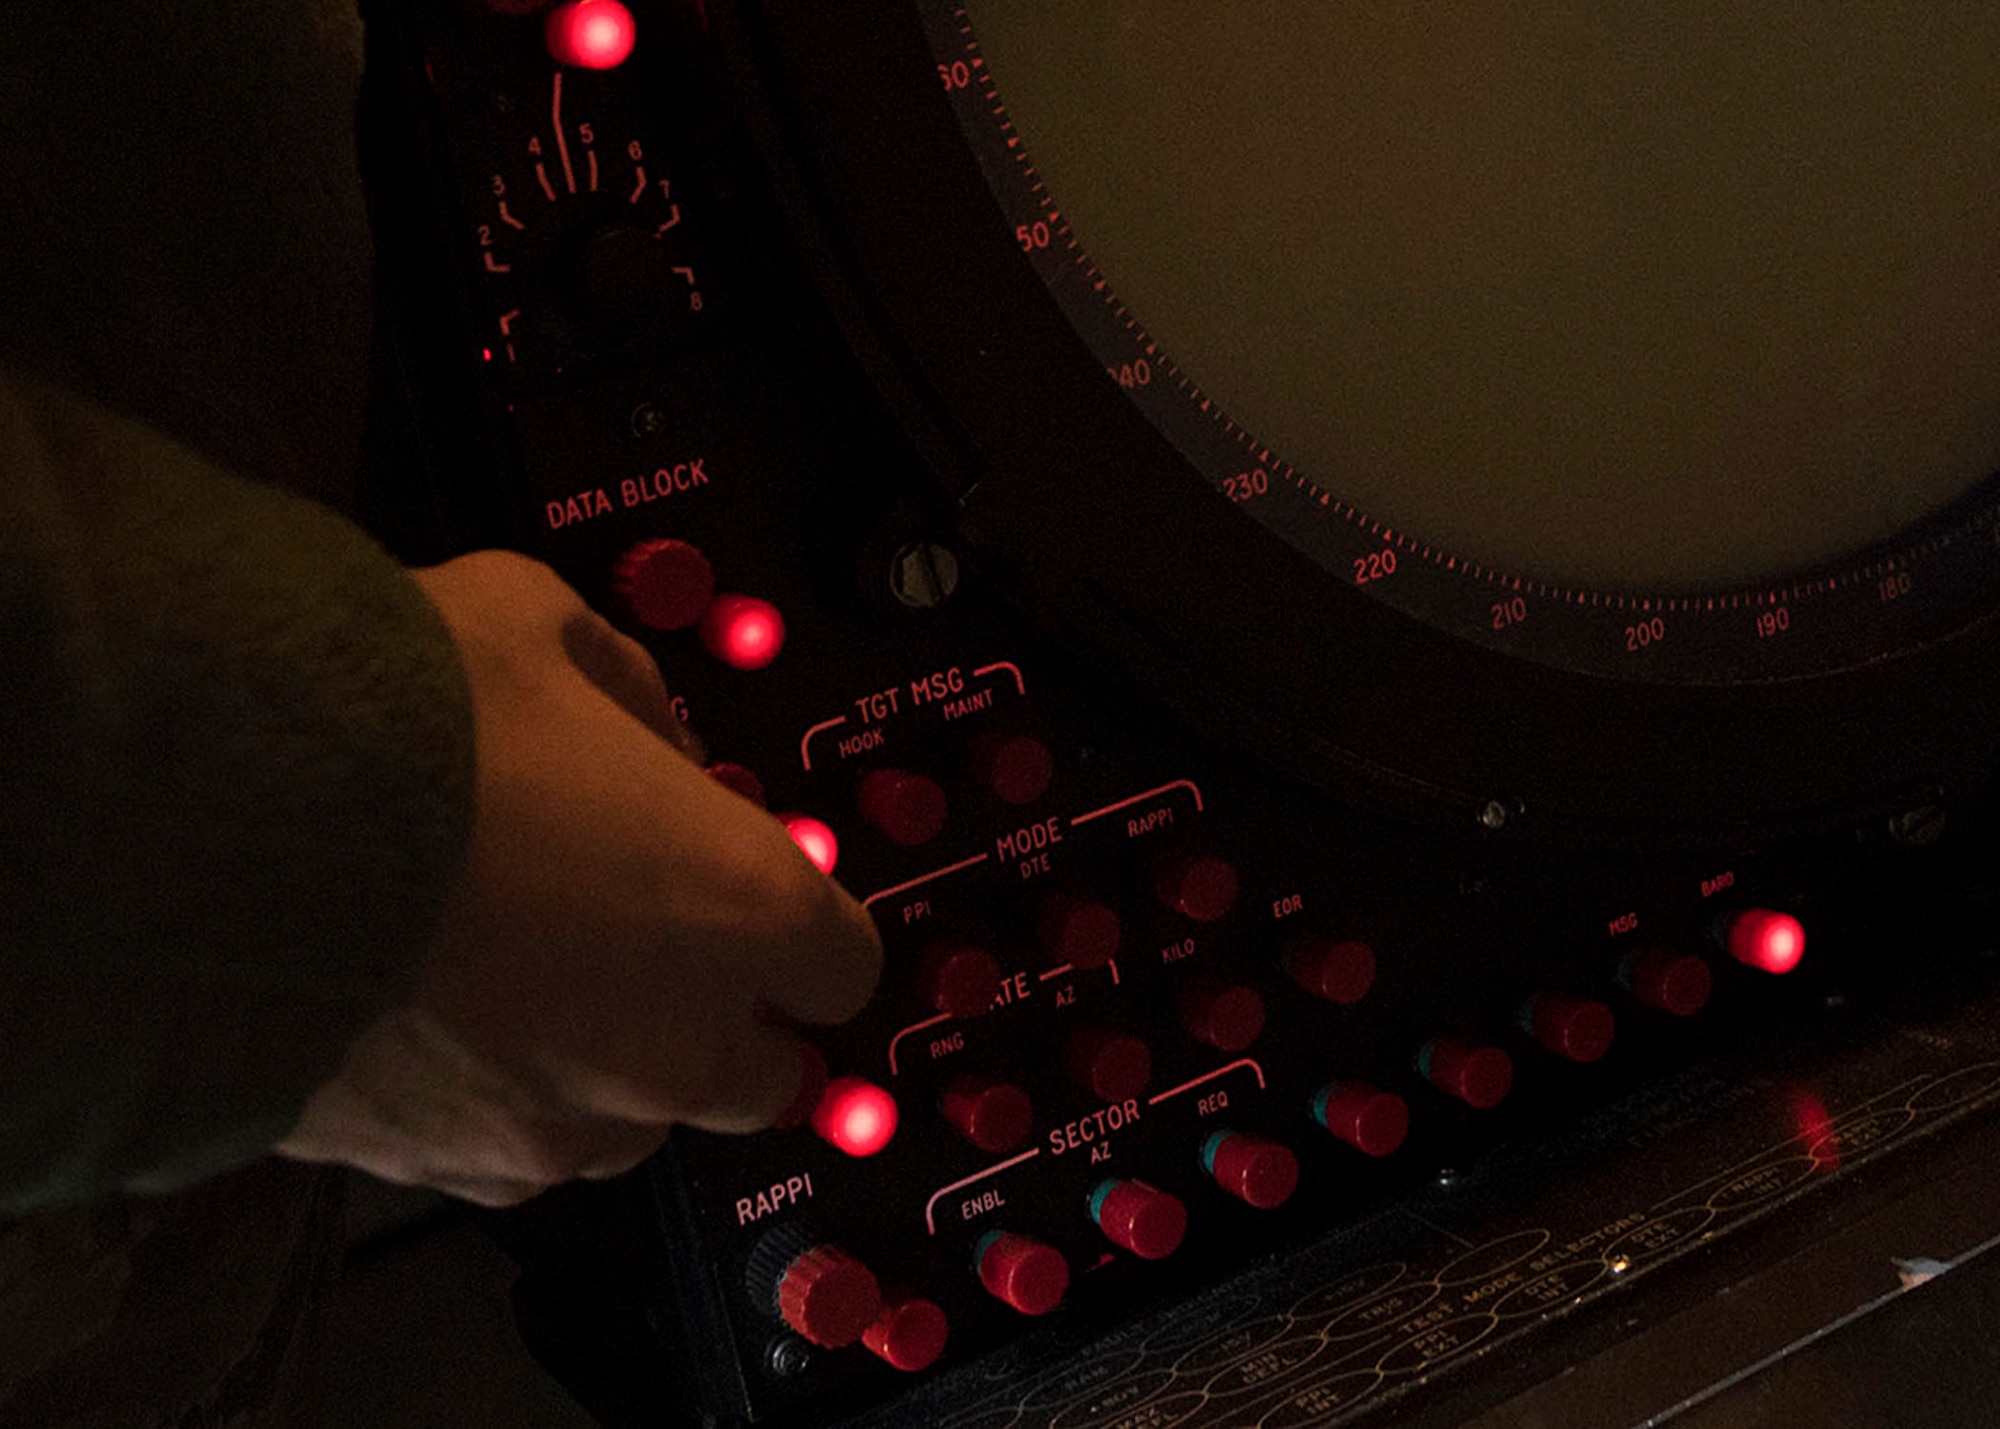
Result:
{"points": [[1118, 537]]}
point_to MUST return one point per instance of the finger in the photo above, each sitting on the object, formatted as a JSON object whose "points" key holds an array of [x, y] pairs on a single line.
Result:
{"points": [[827, 972], [619, 666], [753, 1079]]}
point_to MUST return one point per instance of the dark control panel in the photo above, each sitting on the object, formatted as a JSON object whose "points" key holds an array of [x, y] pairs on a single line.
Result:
{"points": [[1149, 1015]]}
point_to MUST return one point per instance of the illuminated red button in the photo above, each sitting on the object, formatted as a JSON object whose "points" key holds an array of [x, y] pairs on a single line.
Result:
{"points": [[740, 780], [909, 1332], [1198, 886], [1478, 1075], [855, 1116], [590, 34], [993, 1116], [1143, 1219], [1227, 1018], [1112, 1066], [1675, 983], [815, 840], [1255, 1170], [1372, 1121], [828, 1296], [908, 808], [667, 585], [1579, 1028], [1080, 932], [959, 981], [1339, 971], [742, 631], [1021, 1271], [1765, 940], [1013, 768]]}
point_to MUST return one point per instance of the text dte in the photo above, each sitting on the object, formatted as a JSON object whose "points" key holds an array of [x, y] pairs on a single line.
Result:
{"points": [[788, 1192], [1030, 846]]}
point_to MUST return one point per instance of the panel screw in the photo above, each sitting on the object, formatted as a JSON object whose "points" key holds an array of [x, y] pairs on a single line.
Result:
{"points": [[1446, 1178], [1493, 816], [788, 1356], [1918, 828], [923, 575], [649, 419]]}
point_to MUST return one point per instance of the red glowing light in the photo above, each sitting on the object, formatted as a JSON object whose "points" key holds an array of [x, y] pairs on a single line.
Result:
{"points": [[856, 1116], [1770, 942], [591, 34], [815, 840], [743, 631]]}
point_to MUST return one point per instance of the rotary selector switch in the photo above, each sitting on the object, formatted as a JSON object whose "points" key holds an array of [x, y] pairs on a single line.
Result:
{"points": [[1013, 768], [1140, 1218], [1677, 984], [1370, 1120], [1027, 1274], [1256, 1170], [666, 584], [825, 1294]]}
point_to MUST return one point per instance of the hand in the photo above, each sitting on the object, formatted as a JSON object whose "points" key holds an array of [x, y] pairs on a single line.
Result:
{"points": [[624, 946]]}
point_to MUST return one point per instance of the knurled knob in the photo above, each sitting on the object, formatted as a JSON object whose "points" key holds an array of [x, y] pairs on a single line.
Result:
{"points": [[1478, 1075], [1339, 970], [1021, 1271], [1372, 1121], [1200, 886], [1674, 983], [1228, 1018], [1143, 1219], [1083, 933], [909, 1332], [958, 980], [1111, 1066], [994, 1116], [908, 808], [1254, 1169], [828, 1296], [666, 584], [1577, 1028], [1013, 768]]}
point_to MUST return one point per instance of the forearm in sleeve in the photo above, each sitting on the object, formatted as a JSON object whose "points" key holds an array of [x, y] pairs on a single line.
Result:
{"points": [[235, 782]]}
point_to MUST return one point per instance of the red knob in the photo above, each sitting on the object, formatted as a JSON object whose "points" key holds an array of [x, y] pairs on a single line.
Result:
{"points": [[828, 1296], [909, 1332], [993, 1116], [908, 808], [1579, 1028], [959, 981], [1081, 932], [1340, 971], [1227, 1018], [1013, 768], [1112, 1066], [1143, 1219], [739, 780], [1765, 940], [1478, 1075], [1196, 885], [742, 631], [1022, 1271], [1372, 1121], [667, 585], [1676, 983], [1257, 1171]]}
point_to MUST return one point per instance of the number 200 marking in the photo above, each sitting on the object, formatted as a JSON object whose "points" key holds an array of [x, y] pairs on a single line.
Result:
{"points": [[1646, 632]]}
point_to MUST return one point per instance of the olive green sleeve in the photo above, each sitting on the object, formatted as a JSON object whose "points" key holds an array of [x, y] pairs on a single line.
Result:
{"points": [[236, 776]]}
